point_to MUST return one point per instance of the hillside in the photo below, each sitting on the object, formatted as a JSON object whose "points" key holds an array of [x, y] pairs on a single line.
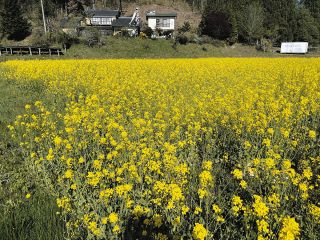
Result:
{"points": [[264, 24], [182, 8]]}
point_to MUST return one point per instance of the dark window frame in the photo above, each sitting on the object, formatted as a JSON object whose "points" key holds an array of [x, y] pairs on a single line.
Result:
{"points": [[163, 22]]}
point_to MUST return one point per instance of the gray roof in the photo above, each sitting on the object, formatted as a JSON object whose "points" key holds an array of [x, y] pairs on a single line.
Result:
{"points": [[121, 22], [103, 13], [155, 14]]}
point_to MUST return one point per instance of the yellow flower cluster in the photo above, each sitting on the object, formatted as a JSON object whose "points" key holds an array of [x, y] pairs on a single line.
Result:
{"points": [[199, 232], [199, 148], [290, 229]]}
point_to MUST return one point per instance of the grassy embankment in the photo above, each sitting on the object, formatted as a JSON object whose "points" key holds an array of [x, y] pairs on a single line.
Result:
{"points": [[146, 48]]}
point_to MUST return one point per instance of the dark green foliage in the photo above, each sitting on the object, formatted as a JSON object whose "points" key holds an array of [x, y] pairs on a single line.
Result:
{"points": [[216, 24], [14, 25], [264, 45], [49, 9], [186, 27], [307, 27], [66, 40], [147, 30], [235, 29], [252, 20], [314, 7], [75, 7], [280, 19], [182, 39]]}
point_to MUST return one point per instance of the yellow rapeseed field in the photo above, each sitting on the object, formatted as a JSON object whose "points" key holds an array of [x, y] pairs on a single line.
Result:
{"points": [[177, 149]]}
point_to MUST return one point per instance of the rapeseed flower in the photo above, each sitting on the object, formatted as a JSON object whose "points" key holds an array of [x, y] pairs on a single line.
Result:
{"points": [[235, 139], [199, 232]]}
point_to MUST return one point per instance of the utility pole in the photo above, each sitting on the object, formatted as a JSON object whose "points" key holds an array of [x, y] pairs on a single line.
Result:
{"points": [[120, 6], [43, 17]]}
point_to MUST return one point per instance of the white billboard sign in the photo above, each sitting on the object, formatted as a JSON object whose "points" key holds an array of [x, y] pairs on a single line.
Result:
{"points": [[294, 47]]}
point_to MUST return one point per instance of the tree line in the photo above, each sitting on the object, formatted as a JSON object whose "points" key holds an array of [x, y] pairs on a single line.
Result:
{"points": [[252, 20], [246, 21]]}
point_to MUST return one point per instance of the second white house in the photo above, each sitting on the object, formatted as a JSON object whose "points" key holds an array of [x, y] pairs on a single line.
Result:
{"points": [[163, 21]]}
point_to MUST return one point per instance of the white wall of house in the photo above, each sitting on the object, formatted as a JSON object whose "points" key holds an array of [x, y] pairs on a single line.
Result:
{"points": [[164, 23]]}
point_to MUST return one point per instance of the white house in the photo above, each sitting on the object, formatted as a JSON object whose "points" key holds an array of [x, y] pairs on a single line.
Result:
{"points": [[163, 21]]}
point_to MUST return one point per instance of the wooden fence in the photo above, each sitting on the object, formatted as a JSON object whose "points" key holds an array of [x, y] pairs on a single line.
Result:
{"points": [[29, 50]]}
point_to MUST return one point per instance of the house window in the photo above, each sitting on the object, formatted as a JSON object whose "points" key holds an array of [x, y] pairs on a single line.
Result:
{"points": [[95, 21], [106, 21], [162, 23], [101, 21]]}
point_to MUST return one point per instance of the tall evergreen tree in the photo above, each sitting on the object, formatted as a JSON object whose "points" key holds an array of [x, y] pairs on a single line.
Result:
{"points": [[307, 29], [216, 24], [314, 8], [222, 19], [280, 19], [234, 36], [14, 25]]}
